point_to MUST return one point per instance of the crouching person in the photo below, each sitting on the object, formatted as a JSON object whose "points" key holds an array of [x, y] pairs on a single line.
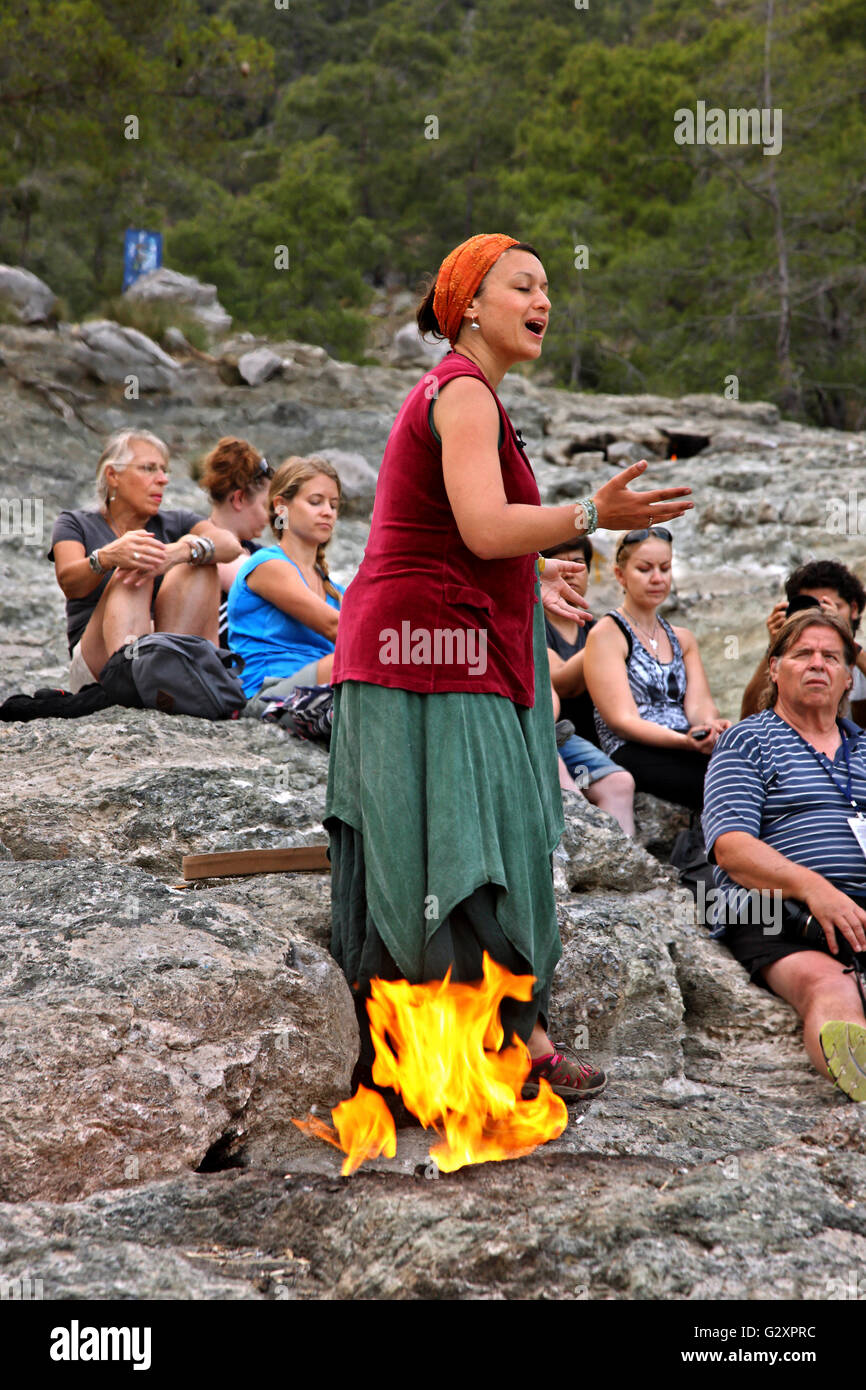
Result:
{"points": [[785, 814], [129, 567]]}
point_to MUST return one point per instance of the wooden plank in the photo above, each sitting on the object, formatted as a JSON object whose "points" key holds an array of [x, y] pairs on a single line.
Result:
{"points": [[228, 863]]}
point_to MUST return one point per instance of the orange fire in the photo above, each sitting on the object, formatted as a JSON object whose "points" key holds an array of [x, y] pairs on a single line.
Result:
{"points": [[364, 1128], [437, 1044]]}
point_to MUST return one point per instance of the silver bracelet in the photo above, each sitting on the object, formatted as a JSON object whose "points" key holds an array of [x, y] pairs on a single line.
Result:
{"points": [[586, 516]]}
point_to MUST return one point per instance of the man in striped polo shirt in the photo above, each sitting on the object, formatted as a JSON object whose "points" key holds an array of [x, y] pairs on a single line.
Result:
{"points": [[785, 813]]}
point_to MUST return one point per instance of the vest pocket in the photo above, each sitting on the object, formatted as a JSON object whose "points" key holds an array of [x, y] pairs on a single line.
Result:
{"points": [[464, 596]]}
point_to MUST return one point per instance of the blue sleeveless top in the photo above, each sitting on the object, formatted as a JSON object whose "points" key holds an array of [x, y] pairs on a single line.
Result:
{"points": [[271, 642]]}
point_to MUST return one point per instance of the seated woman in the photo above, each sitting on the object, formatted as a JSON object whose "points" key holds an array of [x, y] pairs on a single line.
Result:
{"points": [[589, 770], [283, 610], [130, 568], [654, 713], [236, 476]]}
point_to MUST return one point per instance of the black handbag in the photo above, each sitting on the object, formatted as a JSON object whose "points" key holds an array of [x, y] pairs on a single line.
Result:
{"points": [[176, 673]]}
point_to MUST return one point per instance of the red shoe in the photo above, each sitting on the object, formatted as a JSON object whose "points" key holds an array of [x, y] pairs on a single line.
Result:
{"points": [[567, 1075]]}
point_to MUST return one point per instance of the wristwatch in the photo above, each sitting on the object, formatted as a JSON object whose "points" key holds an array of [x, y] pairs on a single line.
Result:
{"points": [[97, 568]]}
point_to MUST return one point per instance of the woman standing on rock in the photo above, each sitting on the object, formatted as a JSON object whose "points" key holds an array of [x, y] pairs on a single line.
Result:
{"points": [[443, 802], [130, 567]]}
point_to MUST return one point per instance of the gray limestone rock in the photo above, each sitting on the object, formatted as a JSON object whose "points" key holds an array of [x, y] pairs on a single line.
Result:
{"points": [[167, 286], [175, 341], [157, 787], [623, 452], [412, 346], [616, 993], [259, 365], [595, 853], [25, 295], [309, 355], [146, 1026], [146, 1033], [117, 354], [358, 479]]}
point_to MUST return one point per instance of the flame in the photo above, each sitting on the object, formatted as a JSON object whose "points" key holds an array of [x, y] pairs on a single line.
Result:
{"points": [[437, 1044], [364, 1128]]}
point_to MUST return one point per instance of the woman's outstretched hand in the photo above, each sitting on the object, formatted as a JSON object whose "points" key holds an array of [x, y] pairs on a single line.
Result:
{"points": [[622, 510], [557, 594]]}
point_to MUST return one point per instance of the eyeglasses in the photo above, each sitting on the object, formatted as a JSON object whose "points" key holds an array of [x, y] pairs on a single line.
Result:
{"points": [[152, 468], [633, 537], [265, 468]]}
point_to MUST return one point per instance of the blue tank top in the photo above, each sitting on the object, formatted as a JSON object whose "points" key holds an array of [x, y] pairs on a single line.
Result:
{"points": [[271, 642]]}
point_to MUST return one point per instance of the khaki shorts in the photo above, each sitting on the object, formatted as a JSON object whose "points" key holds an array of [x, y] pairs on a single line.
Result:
{"points": [[80, 673]]}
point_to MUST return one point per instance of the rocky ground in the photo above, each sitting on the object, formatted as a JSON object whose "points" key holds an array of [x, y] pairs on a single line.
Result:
{"points": [[158, 1039]]}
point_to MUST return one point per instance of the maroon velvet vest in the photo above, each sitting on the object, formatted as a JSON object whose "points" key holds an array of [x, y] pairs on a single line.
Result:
{"points": [[423, 612]]}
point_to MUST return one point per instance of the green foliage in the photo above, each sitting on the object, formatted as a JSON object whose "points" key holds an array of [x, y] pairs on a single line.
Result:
{"points": [[368, 138], [305, 217], [153, 317], [77, 80]]}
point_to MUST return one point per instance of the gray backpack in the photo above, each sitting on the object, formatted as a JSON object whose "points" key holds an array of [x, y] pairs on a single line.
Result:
{"points": [[177, 674]]}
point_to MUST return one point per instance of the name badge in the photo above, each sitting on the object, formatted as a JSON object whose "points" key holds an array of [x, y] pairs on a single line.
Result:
{"points": [[858, 826]]}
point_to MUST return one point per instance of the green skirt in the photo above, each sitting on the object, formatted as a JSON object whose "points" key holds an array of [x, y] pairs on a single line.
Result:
{"points": [[434, 800]]}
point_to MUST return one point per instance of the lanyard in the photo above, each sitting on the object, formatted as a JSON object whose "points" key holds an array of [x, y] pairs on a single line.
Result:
{"points": [[848, 792]]}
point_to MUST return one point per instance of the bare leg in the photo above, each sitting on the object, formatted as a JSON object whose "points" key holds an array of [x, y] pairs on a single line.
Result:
{"points": [[819, 990], [188, 602], [324, 669], [615, 794], [122, 613], [539, 1043], [566, 781]]}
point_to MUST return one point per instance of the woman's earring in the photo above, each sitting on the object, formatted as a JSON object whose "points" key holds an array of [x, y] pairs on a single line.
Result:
{"points": [[475, 324]]}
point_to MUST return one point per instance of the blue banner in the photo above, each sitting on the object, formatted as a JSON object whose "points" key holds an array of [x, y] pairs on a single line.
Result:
{"points": [[142, 251]]}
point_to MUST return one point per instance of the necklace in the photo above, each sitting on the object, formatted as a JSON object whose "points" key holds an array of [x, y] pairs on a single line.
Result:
{"points": [[650, 636], [106, 515]]}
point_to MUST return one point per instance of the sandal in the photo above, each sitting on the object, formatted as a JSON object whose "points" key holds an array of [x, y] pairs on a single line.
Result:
{"points": [[567, 1076]]}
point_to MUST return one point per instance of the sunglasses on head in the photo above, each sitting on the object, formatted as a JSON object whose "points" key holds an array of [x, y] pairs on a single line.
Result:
{"points": [[633, 537], [265, 468]]}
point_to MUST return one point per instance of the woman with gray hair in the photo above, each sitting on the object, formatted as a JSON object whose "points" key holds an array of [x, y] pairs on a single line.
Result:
{"points": [[129, 568]]}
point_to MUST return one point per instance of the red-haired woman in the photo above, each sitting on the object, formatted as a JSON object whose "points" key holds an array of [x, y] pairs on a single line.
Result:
{"points": [[443, 803], [235, 476]]}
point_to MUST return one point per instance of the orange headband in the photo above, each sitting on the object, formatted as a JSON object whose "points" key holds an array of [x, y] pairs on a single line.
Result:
{"points": [[461, 273]]}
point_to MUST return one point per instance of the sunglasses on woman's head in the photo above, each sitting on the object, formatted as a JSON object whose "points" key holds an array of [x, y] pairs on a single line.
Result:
{"points": [[644, 534], [265, 467], [661, 531]]}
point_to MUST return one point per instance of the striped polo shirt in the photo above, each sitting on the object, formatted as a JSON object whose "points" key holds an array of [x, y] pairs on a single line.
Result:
{"points": [[766, 780]]}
